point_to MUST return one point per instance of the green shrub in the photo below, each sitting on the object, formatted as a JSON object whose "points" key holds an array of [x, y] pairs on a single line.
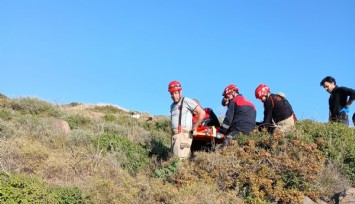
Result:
{"points": [[160, 125], [109, 117], [73, 104], [124, 119], [80, 137], [66, 195], [7, 129], [159, 150], [34, 106], [78, 121], [18, 188], [336, 141], [163, 125], [164, 173], [109, 109], [5, 114], [134, 158]]}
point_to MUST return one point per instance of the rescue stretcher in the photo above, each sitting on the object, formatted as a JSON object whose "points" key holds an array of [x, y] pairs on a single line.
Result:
{"points": [[207, 133]]}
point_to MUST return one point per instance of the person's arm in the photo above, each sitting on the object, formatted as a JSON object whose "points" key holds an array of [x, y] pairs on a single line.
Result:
{"points": [[228, 119], [200, 116], [351, 93], [267, 112]]}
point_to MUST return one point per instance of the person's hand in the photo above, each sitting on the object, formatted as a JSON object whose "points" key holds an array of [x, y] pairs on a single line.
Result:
{"points": [[219, 135], [345, 110], [193, 132]]}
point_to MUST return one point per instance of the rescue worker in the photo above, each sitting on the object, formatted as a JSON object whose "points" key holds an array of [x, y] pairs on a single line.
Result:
{"points": [[339, 102], [182, 110], [278, 113], [240, 116]]}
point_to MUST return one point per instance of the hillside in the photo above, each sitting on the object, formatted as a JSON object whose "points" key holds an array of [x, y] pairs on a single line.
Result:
{"points": [[78, 153]]}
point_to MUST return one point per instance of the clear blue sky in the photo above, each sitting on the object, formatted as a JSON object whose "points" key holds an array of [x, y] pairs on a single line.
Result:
{"points": [[125, 52]]}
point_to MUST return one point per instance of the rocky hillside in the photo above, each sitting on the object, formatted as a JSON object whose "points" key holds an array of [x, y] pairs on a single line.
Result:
{"points": [[77, 153]]}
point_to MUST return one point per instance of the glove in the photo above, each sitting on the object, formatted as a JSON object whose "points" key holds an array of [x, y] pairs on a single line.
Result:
{"points": [[345, 110], [192, 132], [219, 135]]}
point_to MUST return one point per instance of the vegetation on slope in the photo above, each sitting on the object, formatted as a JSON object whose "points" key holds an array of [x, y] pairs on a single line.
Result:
{"points": [[110, 157]]}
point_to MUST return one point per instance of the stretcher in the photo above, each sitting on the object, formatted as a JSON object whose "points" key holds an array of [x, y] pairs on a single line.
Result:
{"points": [[208, 133]]}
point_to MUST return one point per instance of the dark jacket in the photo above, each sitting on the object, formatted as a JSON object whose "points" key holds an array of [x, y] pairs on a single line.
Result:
{"points": [[338, 99], [276, 108], [240, 117]]}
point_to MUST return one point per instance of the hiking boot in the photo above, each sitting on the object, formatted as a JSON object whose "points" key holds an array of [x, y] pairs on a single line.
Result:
{"points": [[226, 142]]}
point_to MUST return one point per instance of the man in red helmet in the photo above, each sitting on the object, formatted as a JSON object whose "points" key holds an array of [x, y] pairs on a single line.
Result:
{"points": [[278, 113], [182, 110], [240, 116]]}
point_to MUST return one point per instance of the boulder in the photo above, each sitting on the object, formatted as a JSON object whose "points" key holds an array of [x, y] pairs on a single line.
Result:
{"points": [[346, 196], [61, 126]]}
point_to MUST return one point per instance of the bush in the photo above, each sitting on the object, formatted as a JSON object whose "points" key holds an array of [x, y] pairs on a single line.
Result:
{"points": [[109, 117], [73, 104], [160, 125], [34, 106], [7, 129], [5, 114], [107, 109], [18, 188], [80, 137], [78, 121], [159, 150], [169, 169], [132, 156], [336, 141]]}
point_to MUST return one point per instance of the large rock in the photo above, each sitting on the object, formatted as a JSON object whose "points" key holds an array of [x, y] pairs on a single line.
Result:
{"points": [[307, 200], [345, 197], [61, 125]]}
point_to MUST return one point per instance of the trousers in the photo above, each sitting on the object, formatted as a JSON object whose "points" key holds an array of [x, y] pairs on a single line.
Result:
{"points": [[181, 144]]}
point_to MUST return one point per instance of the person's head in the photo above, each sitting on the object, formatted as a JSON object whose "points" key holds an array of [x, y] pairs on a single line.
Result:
{"points": [[175, 91], [230, 91], [328, 83], [261, 92]]}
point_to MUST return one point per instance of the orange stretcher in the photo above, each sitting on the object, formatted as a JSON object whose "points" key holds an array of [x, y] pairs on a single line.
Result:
{"points": [[207, 133]]}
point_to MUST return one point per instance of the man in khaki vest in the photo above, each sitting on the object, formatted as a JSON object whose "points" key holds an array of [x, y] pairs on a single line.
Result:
{"points": [[182, 110]]}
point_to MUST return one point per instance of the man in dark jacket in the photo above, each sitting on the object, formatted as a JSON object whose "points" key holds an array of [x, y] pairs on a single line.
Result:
{"points": [[278, 113], [240, 116], [339, 101]]}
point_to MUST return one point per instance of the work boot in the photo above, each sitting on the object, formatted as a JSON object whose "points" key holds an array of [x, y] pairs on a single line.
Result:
{"points": [[226, 142]]}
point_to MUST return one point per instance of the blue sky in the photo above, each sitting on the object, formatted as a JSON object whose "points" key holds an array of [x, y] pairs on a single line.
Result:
{"points": [[125, 52]]}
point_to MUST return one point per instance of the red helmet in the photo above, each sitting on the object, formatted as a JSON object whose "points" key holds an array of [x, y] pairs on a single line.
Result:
{"points": [[229, 89], [174, 86], [261, 90]]}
